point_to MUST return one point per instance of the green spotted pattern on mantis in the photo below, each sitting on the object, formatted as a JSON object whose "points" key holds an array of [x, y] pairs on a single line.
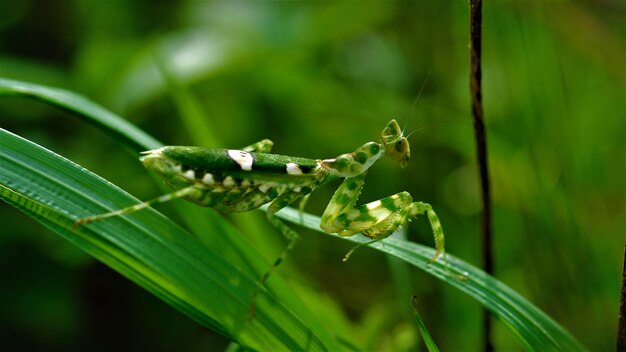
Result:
{"points": [[241, 180]]}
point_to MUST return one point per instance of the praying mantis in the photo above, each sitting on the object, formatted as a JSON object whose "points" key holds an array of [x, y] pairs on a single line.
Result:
{"points": [[232, 180]]}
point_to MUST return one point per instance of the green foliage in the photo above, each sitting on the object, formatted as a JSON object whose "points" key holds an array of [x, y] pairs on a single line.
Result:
{"points": [[320, 78], [151, 250], [428, 340], [157, 254]]}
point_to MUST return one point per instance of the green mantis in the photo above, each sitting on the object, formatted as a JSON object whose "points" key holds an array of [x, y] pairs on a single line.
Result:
{"points": [[241, 180]]}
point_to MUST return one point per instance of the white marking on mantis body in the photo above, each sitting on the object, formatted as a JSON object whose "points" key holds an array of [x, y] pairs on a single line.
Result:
{"points": [[265, 187], [228, 181], [158, 151], [208, 179], [244, 159], [297, 189], [189, 174], [374, 205], [293, 169], [177, 168], [245, 183]]}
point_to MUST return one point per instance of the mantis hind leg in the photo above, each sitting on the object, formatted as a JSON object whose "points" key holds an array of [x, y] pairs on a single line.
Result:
{"points": [[184, 192], [291, 236]]}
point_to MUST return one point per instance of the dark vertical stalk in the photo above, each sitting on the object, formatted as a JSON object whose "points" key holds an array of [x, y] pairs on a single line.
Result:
{"points": [[621, 325], [481, 150]]}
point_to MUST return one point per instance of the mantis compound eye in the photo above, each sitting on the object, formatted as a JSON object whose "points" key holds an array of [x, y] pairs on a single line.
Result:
{"points": [[396, 145], [400, 151]]}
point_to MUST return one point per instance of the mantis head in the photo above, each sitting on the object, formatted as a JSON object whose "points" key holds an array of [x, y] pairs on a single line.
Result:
{"points": [[395, 143]]}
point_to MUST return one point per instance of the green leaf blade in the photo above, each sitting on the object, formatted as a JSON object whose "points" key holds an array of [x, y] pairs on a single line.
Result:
{"points": [[147, 248], [119, 128], [280, 327], [534, 328]]}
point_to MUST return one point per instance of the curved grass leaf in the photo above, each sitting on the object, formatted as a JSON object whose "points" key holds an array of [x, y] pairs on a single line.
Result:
{"points": [[213, 230], [233, 245], [533, 328], [114, 125], [151, 250]]}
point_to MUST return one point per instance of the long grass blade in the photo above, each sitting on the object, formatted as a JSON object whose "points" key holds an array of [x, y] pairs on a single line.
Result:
{"points": [[151, 250], [198, 281], [534, 328]]}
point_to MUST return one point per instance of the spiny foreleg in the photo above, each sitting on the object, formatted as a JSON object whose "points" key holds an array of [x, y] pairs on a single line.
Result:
{"points": [[419, 208], [376, 220]]}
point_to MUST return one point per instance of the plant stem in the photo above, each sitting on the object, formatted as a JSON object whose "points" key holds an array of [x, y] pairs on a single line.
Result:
{"points": [[481, 151], [621, 325]]}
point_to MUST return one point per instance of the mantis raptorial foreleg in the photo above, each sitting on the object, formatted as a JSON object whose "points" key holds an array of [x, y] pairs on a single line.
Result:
{"points": [[418, 208], [378, 219]]}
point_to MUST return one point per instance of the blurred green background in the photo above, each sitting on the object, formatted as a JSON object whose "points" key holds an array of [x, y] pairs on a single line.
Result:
{"points": [[320, 79]]}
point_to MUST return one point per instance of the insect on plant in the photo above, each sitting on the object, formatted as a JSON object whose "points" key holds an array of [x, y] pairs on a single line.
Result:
{"points": [[241, 180]]}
